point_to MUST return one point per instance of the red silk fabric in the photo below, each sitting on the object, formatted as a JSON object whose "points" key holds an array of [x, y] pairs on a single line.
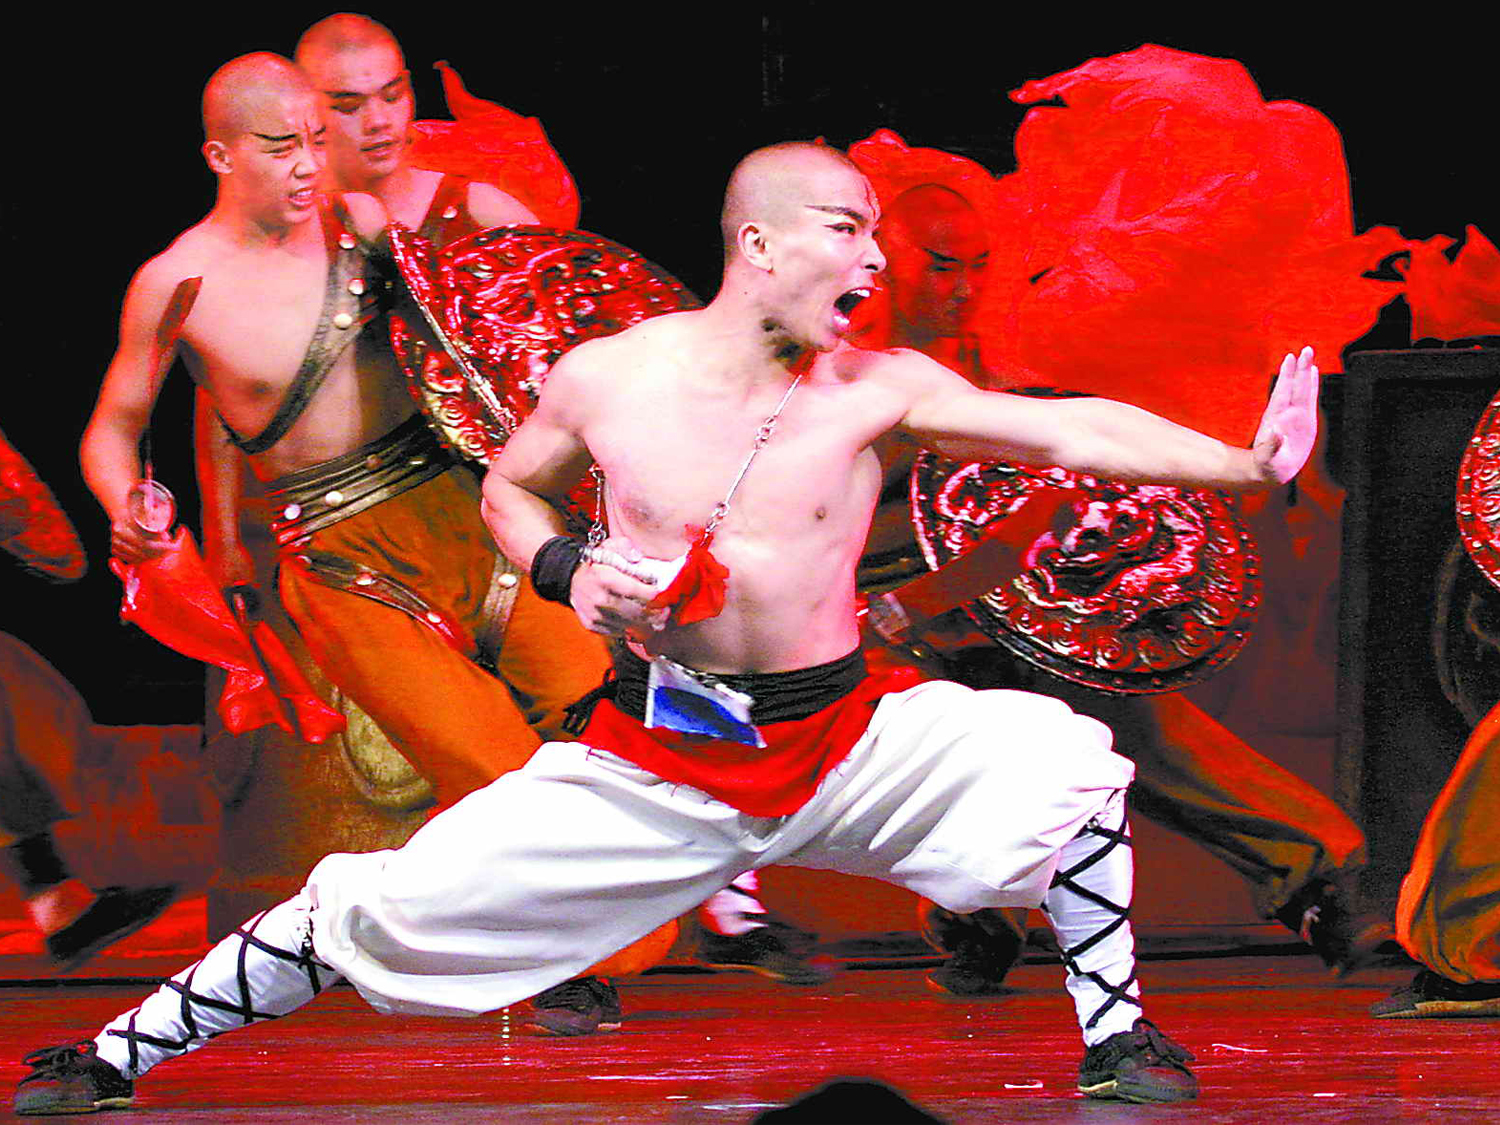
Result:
{"points": [[1457, 299], [1167, 237], [697, 593], [32, 525], [172, 598], [772, 780], [494, 145]]}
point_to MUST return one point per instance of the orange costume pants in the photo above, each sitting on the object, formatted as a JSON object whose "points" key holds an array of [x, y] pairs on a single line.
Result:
{"points": [[1197, 777], [460, 725], [1448, 915]]}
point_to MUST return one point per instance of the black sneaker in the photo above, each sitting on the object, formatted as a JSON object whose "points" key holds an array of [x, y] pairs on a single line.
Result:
{"points": [[1333, 916], [773, 950], [71, 1079], [582, 1006], [1430, 996], [977, 968], [116, 913], [1139, 1065]]}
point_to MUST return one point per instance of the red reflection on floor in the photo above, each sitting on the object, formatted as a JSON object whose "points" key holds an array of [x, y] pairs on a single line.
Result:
{"points": [[1276, 1041]]}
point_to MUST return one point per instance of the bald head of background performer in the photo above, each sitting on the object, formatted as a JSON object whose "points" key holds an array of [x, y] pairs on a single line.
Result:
{"points": [[358, 68], [799, 250], [364, 90], [937, 250], [263, 139]]}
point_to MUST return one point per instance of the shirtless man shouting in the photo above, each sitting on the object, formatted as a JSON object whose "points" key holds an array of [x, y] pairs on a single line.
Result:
{"points": [[751, 422], [277, 308]]}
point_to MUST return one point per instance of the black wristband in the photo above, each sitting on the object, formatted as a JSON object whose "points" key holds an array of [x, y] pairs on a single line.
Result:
{"points": [[553, 566]]}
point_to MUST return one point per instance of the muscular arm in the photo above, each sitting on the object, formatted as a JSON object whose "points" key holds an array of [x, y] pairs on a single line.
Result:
{"points": [[1112, 439], [524, 492], [110, 453], [527, 483]]}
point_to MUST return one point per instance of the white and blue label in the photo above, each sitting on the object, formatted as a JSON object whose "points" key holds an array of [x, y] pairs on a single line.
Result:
{"points": [[689, 702]]}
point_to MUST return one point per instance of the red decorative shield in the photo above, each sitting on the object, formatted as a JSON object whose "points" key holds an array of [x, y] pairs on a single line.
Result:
{"points": [[506, 304], [1133, 589], [32, 525], [1479, 494]]}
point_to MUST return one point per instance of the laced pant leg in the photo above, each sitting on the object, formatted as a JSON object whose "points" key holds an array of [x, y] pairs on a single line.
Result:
{"points": [[264, 969], [1088, 906]]}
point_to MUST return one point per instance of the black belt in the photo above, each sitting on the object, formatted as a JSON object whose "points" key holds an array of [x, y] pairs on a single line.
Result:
{"points": [[779, 696]]}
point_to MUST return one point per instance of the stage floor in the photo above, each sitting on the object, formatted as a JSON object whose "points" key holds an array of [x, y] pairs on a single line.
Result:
{"points": [[1276, 1041]]}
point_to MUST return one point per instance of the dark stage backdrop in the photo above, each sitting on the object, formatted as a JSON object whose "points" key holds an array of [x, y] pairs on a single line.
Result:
{"points": [[650, 112]]}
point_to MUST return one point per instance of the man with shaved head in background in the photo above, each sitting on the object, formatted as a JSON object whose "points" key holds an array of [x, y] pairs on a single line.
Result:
{"points": [[386, 570], [363, 90], [1298, 849], [358, 69], [743, 730]]}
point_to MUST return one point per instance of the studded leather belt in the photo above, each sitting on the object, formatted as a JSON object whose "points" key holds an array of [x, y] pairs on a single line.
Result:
{"points": [[321, 495]]}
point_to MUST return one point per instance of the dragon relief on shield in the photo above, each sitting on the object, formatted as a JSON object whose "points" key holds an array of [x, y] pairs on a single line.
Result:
{"points": [[1146, 584]]}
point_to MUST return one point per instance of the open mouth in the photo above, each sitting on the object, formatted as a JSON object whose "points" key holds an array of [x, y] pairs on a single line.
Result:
{"points": [[845, 305]]}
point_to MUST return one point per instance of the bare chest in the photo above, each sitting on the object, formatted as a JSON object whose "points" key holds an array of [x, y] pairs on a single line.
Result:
{"points": [[250, 328], [678, 465]]}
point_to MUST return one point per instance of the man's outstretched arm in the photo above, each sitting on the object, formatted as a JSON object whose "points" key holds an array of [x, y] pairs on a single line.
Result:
{"points": [[1113, 439]]}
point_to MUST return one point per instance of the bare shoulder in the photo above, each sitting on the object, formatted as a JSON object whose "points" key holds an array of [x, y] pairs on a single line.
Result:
{"points": [[589, 372], [191, 254], [366, 214], [899, 370], [491, 207]]}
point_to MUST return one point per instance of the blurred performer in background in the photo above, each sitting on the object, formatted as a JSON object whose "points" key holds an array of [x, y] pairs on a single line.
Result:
{"points": [[1300, 852], [99, 826], [1448, 915], [360, 73]]}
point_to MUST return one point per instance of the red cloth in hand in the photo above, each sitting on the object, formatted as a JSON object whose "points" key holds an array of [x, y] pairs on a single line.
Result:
{"points": [[697, 593], [173, 598]]}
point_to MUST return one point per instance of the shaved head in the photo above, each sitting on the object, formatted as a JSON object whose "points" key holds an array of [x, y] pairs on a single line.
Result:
{"points": [[929, 214], [769, 184], [242, 89], [937, 251], [343, 32]]}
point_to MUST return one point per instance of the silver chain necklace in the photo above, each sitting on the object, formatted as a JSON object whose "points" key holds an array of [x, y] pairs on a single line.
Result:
{"points": [[721, 509]]}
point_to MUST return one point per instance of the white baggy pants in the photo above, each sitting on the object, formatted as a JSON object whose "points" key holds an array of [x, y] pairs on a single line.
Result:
{"points": [[965, 797]]}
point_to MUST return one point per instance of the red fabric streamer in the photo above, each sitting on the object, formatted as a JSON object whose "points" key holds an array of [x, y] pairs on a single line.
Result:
{"points": [[32, 525], [1187, 234], [173, 598], [1167, 237], [1458, 299], [495, 145], [697, 593]]}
